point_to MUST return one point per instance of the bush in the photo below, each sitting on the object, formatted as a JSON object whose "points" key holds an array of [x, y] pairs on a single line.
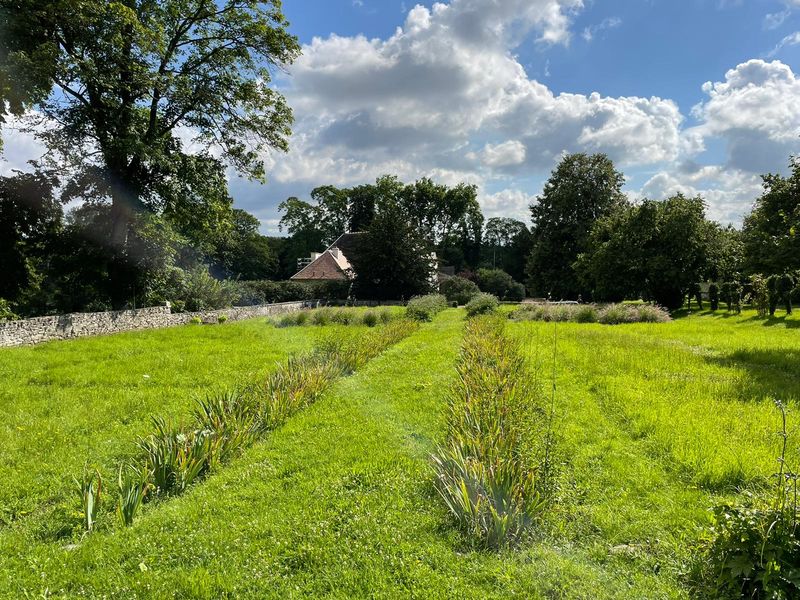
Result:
{"points": [[370, 319], [459, 290], [611, 314], [222, 319], [482, 304], [500, 284], [754, 547], [6, 314], [616, 314], [713, 296], [272, 292], [201, 291], [586, 313], [196, 321], [301, 317], [424, 308]]}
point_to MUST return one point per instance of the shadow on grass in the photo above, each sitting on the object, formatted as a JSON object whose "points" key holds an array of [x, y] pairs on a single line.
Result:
{"points": [[706, 312], [789, 323], [769, 373]]}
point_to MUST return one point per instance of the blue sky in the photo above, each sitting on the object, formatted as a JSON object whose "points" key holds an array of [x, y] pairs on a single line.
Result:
{"points": [[697, 96]]}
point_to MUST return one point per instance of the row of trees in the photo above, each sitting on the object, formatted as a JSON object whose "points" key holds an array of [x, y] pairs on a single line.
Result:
{"points": [[589, 241]]}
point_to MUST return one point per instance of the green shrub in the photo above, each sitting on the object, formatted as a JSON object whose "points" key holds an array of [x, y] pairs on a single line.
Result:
{"points": [[713, 296], [500, 284], [611, 314], [616, 314], [175, 458], [343, 316], [370, 319], [321, 316], [753, 550], [650, 313], [90, 491], [482, 304], [133, 487], [385, 315], [200, 291], [459, 290], [586, 313], [222, 319], [271, 292], [492, 470], [424, 308], [6, 314], [196, 321], [301, 318]]}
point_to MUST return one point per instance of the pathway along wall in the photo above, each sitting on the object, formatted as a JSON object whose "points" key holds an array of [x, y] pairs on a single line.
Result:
{"points": [[74, 325]]}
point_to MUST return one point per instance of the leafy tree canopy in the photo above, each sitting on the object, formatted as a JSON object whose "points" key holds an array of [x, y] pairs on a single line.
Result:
{"points": [[771, 232], [582, 189]]}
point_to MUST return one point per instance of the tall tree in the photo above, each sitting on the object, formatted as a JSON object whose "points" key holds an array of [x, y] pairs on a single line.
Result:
{"points": [[582, 189], [506, 245], [771, 232], [30, 218], [657, 250], [116, 83], [393, 259]]}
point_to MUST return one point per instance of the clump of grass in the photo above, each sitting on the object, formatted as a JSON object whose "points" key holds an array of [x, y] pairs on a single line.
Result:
{"points": [[222, 319], [175, 457], [370, 319], [482, 304], [609, 314], [90, 490], [321, 316], [343, 316], [491, 471], [195, 321], [586, 313], [424, 308], [301, 317], [133, 487]]}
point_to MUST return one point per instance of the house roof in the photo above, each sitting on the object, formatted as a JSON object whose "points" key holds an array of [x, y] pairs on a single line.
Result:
{"points": [[333, 263], [326, 267]]}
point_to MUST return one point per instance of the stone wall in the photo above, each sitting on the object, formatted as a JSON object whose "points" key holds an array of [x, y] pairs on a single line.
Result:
{"points": [[74, 325]]}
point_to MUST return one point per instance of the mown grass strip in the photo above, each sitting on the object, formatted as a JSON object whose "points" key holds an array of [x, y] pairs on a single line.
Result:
{"points": [[174, 457]]}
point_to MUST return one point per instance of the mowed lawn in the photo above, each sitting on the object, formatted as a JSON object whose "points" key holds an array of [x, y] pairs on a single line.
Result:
{"points": [[655, 424], [67, 404]]}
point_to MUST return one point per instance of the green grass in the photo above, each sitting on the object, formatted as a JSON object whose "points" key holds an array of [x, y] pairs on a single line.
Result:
{"points": [[64, 404], [656, 423]]}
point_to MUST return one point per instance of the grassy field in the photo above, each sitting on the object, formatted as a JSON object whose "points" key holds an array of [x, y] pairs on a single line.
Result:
{"points": [[655, 423]]}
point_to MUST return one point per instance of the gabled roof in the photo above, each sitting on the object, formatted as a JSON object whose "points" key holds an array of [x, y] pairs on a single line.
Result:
{"points": [[333, 263], [326, 267]]}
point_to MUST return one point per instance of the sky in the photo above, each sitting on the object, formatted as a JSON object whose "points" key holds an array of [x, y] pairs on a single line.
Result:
{"points": [[696, 96]]}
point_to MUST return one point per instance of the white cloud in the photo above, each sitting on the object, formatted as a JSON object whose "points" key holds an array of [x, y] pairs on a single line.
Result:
{"points": [[590, 32], [728, 193], [506, 154], [756, 111], [790, 40], [509, 202], [19, 146]]}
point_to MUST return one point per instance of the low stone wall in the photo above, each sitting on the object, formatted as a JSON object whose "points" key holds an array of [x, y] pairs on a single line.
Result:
{"points": [[74, 325]]}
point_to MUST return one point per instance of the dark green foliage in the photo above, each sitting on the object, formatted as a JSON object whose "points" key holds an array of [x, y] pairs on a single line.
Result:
{"points": [[482, 304], [123, 78], [655, 250], [6, 314], [732, 295], [30, 218], [759, 294], [424, 308], [506, 245], [271, 292], [581, 190], [458, 289], [713, 296], [393, 260], [500, 284], [694, 293], [771, 232]]}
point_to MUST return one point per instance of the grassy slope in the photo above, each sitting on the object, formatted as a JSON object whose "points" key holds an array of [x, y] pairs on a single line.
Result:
{"points": [[63, 404], [339, 501]]}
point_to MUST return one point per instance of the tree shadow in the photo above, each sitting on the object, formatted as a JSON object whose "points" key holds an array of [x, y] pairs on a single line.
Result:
{"points": [[789, 323], [768, 373]]}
